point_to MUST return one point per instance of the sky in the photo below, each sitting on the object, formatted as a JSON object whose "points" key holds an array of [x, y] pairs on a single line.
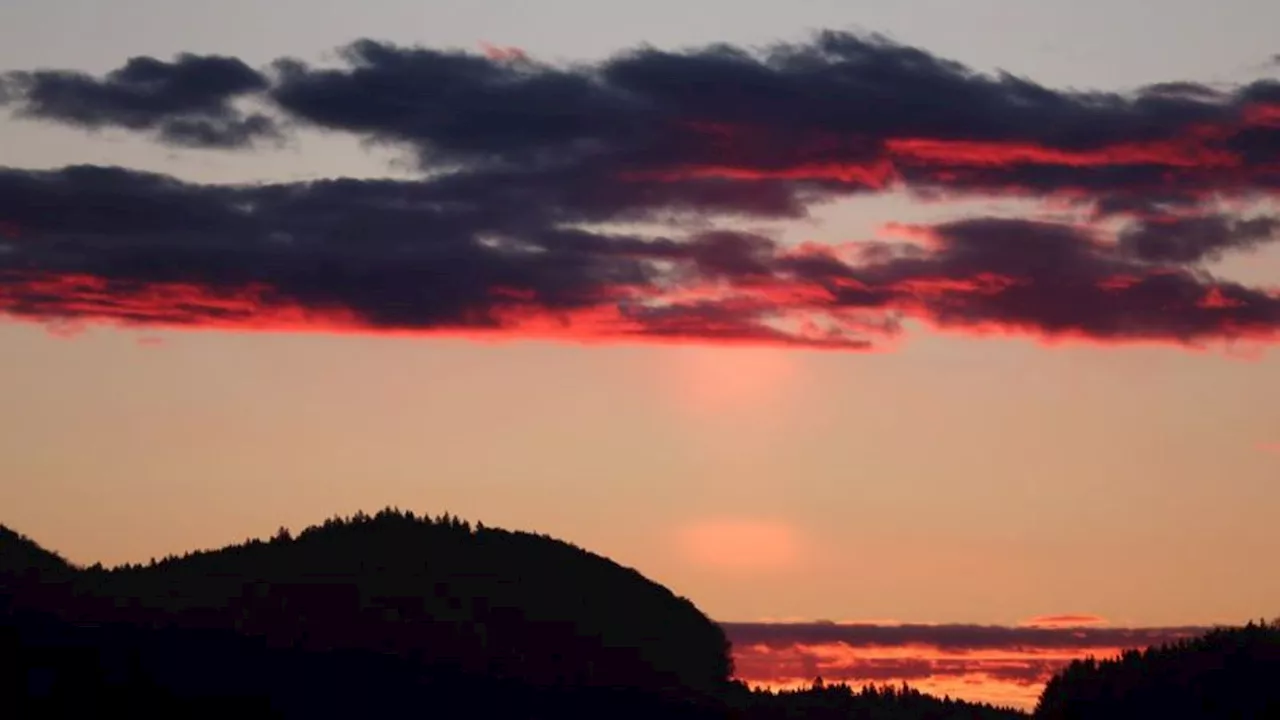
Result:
{"points": [[950, 317]]}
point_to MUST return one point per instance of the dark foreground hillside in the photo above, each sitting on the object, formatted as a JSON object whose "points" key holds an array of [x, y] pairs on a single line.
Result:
{"points": [[359, 617], [1228, 674], [400, 616]]}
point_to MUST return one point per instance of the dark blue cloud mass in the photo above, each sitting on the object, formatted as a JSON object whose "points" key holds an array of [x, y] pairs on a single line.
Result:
{"points": [[522, 159]]}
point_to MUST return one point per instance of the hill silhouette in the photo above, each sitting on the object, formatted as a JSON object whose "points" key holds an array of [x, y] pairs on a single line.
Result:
{"points": [[21, 557], [1229, 673], [394, 615], [472, 614], [29, 574]]}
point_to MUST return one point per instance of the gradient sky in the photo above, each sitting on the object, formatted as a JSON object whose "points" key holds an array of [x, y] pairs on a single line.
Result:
{"points": [[950, 478]]}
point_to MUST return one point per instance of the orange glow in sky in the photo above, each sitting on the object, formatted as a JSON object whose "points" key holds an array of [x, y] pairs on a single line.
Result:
{"points": [[741, 546], [714, 380], [1010, 676]]}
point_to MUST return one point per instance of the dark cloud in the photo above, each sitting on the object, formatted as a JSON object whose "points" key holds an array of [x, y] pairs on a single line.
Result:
{"points": [[526, 154], [106, 243], [850, 113], [1194, 239], [459, 253], [842, 112], [953, 637], [462, 108], [188, 101], [1062, 281], [869, 87]]}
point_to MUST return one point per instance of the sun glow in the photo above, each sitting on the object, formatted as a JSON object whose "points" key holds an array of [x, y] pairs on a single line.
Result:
{"points": [[741, 545], [712, 380]]}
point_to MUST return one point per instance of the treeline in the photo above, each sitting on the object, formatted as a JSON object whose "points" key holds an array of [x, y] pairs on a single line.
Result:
{"points": [[843, 702], [1227, 673]]}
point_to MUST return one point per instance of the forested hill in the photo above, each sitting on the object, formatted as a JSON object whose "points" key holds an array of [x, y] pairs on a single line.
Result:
{"points": [[514, 611], [1227, 674], [508, 604], [21, 557]]}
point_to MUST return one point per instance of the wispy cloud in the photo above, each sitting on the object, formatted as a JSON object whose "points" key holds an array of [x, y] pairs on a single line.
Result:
{"points": [[1064, 621], [999, 664], [520, 157], [496, 52], [188, 101]]}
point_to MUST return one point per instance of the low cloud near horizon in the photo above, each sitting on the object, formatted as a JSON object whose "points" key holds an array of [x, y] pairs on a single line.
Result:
{"points": [[523, 162], [1002, 665]]}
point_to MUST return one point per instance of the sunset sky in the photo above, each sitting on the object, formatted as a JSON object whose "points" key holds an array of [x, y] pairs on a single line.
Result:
{"points": [[899, 336]]}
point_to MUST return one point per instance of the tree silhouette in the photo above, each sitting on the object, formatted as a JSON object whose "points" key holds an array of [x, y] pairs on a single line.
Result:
{"points": [[1227, 673], [838, 701]]}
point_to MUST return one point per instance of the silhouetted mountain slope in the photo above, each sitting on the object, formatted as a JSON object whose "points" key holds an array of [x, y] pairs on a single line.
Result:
{"points": [[21, 558], [29, 573], [1226, 674], [433, 604]]}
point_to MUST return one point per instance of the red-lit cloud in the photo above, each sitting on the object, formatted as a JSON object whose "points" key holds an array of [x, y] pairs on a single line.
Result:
{"points": [[999, 665], [1064, 621], [79, 262], [495, 52], [523, 155]]}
